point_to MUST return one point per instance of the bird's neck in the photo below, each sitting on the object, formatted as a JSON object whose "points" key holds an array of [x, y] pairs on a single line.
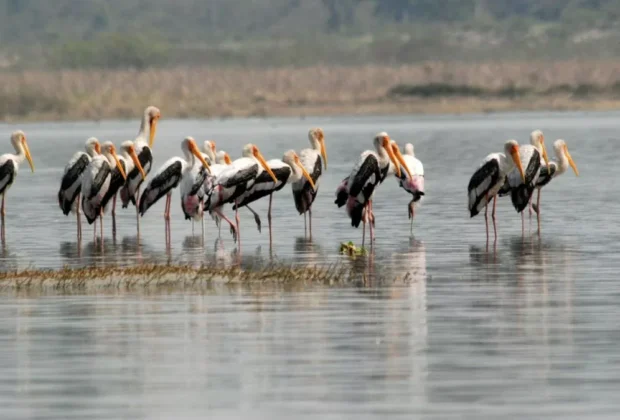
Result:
{"points": [[20, 153], [505, 163], [144, 131]]}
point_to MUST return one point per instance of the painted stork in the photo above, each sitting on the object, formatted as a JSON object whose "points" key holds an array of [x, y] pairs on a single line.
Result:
{"points": [[357, 189], [129, 160], [169, 176], [222, 161], [289, 169], [143, 144], [553, 170], [96, 183], [208, 148], [314, 161], [71, 182], [489, 178], [414, 185], [533, 156], [9, 166], [235, 180]]}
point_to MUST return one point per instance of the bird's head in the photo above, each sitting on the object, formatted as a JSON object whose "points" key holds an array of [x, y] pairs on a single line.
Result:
{"points": [[109, 151], [537, 139], [128, 148], [93, 148], [190, 148], [18, 138], [292, 159], [511, 148], [317, 140], [152, 114], [561, 148]]}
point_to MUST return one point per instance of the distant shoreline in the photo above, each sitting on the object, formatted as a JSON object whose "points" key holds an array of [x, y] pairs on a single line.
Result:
{"points": [[217, 93]]}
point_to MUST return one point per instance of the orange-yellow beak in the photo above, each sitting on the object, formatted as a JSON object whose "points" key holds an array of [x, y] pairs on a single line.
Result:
{"points": [[227, 159], [517, 160], [194, 150], [388, 149], [570, 160], [118, 163], [136, 161], [545, 156], [257, 154], [399, 157], [27, 152], [323, 150], [304, 172], [98, 148], [153, 130]]}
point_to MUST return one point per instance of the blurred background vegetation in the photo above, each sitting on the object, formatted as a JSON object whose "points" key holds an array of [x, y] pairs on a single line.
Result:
{"points": [[119, 34]]}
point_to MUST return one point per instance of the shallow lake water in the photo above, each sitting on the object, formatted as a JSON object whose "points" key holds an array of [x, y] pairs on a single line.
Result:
{"points": [[525, 327]]}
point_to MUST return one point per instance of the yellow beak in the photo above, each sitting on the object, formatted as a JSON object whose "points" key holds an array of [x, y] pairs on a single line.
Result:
{"points": [[261, 159], [98, 148], [118, 164], [517, 160], [136, 162], [324, 152], [194, 149], [152, 131], [388, 149], [305, 173], [571, 162], [27, 152], [545, 156], [227, 159], [399, 157]]}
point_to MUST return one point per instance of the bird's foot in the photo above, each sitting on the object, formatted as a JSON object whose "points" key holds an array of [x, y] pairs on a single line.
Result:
{"points": [[258, 222], [233, 232]]}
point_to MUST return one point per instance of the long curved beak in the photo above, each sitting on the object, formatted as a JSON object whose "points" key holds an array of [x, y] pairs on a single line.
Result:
{"points": [[27, 152], [98, 148], [194, 149], [390, 152], [517, 160], [399, 156], [227, 159], [545, 156], [261, 159], [118, 165], [152, 131], [305, 173], [324, 152], [571, 162], [136, 162]]}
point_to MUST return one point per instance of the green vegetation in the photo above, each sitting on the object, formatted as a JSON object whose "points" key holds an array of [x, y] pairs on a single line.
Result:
{"points": [[145, 33]]}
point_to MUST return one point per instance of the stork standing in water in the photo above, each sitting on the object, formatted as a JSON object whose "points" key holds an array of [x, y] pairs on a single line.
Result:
{"points": [[129, 160], [222, 161], [289, 169], [142, 145], [414, 184], [169, 177], [357, 189], [553, 170], [532, 156], [313, 161], [71, 183], [96, 183], [9, 165], [235, 180], [489, 178]]}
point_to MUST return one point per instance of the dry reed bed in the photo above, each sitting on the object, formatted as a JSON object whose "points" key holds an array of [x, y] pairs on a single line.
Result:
{"points": [[169, 276], [223, 92]]}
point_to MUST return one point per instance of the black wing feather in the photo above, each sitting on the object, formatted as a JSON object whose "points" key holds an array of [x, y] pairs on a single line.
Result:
{"points": [[282, 174], [116, 183], [99, 180], [521, 195], [305, 196], [489, 169], [7, 170], [369, 167], [161, 185], [74, 172]]}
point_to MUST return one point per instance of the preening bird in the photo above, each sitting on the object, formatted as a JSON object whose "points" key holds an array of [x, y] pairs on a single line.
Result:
{"points": [[9, 165], [222, 161], [208, 148], [143, 144], [357, 189], [96, 182], [414, 184], [553, 170], [289, 169], [489, 178], [235, 180], [71, 182], [313, 160], [533, 156]]}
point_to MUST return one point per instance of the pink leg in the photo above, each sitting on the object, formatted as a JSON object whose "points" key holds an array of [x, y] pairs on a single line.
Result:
{"points": [[310, 220], [238, 228], [522, 224], [137, 196], [101, 225], [305, 226], [269, 220], [79, 222], [114, 216], [167, 208], [493, 217], [2, 214], [363, 228], [538, 211], [233, 229], [486, 217]]}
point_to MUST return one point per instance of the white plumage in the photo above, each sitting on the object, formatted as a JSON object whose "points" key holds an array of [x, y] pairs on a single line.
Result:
{"points": [[413, 184]]}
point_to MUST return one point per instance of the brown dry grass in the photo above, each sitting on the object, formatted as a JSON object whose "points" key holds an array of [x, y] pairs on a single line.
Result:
{"points": [[224, 92]]}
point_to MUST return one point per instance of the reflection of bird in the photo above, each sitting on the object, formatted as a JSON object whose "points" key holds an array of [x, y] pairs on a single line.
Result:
{"points": [[313, 160], [235, 180], [289, 169], [552, 170], [131, 191], [9, 165], [414, 184], [489, 178], [521, 189], [357, 189], [96, 182]]}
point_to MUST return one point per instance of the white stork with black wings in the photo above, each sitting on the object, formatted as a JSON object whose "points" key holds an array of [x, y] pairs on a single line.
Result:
{"points": [[489, 178], [554, 169], [235, 180], [414, 184], [96, 182], [9, 165], [289, 169], [71, 182], [142, 144], [532, 156], [314, 161], [357, 189]]}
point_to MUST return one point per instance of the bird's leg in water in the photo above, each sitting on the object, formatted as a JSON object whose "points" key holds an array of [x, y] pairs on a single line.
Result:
{"points": [[3, 210], [233, 229], [238, 227], [411, 215], [101, 224], [522, 224], [137, 198], [256, 217], [486, 216], [167, 209], [493, 217], [305, 227], [364, 226], [370, 225], [202, 220], [538, 211], [310, 220], [529, 207], [114, 216], [79, 222], [269, 220]]}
